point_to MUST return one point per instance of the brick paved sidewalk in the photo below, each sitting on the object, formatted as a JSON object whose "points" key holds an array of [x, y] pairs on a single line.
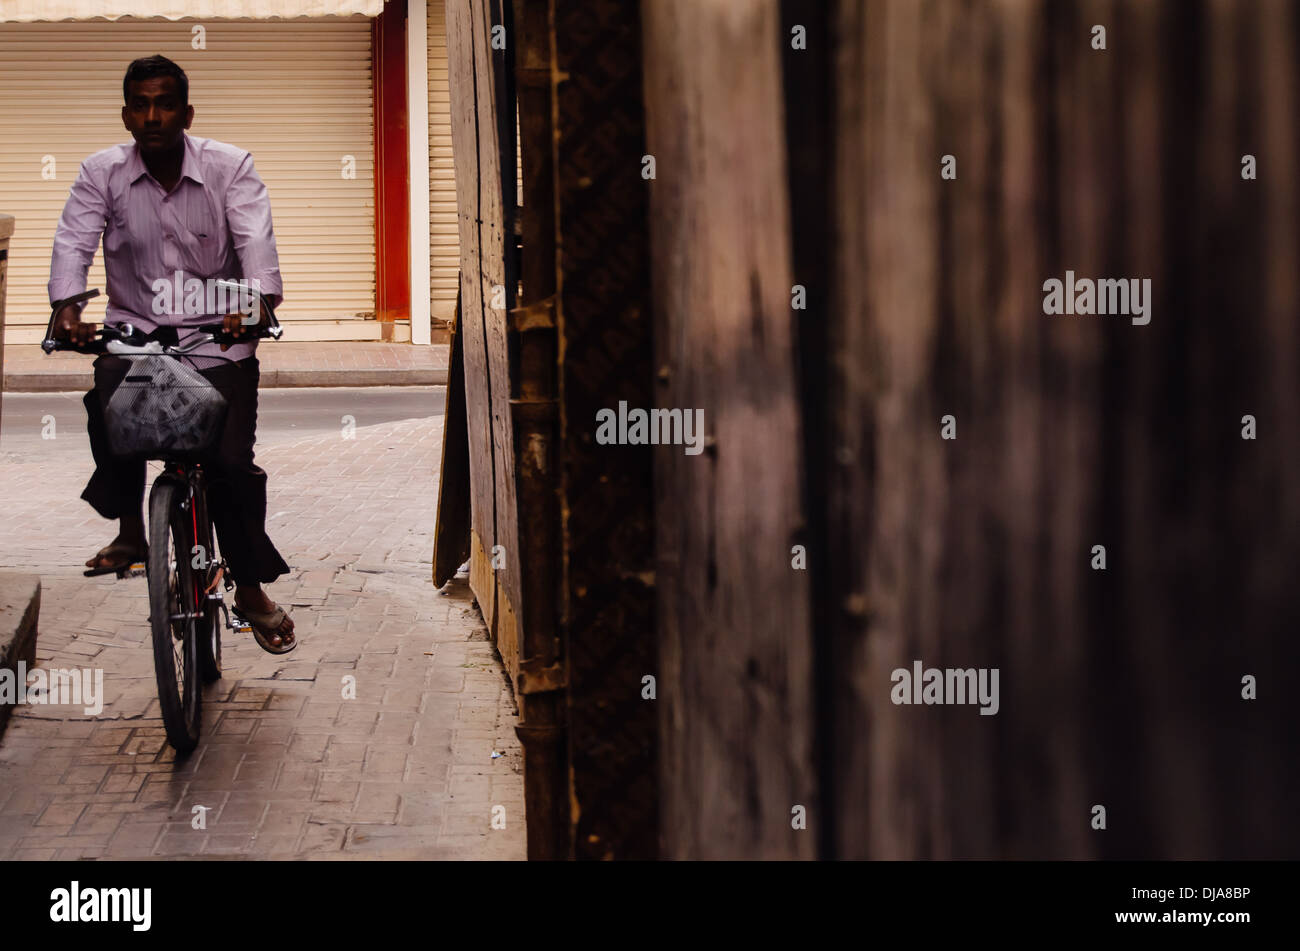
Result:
{"points": [[283, 363], [287, 768]]}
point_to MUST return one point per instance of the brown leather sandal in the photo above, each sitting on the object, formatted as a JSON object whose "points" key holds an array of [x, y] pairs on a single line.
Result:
{"points": [[266, 624], [124, 557]]}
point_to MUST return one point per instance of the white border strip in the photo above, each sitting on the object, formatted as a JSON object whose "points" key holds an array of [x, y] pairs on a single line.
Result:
{"points": [[417, 124]]}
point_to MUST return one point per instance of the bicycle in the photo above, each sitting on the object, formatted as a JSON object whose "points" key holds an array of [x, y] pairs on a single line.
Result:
{"points": [[183, 567]]}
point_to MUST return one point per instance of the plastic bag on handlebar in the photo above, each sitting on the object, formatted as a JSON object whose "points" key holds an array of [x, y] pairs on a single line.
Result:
{"points": [[163, 408]]}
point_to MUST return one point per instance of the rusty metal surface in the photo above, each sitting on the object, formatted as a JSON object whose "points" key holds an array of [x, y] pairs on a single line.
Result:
{"points": [[534, 400], [605, 347]]}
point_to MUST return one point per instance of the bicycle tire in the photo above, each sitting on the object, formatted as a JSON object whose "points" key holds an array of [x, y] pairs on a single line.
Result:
{"points": [[180, 702]]}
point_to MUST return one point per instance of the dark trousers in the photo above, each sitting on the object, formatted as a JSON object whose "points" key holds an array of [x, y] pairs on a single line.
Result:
{"points": [[236, 487]]}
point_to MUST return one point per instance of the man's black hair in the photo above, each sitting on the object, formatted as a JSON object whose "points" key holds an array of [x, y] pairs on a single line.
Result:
{"points": [[155, 67]]}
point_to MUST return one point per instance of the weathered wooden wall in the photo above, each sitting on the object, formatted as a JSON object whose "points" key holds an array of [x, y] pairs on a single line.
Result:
{"points": [[820, 167], [736, 689], [1119, 688], [572, 609], [483, 144], [534, 406]]}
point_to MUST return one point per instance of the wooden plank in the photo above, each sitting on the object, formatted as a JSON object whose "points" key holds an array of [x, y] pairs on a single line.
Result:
{"points": [[534, 406], [463, 22], [496, 235], [733, 613]]}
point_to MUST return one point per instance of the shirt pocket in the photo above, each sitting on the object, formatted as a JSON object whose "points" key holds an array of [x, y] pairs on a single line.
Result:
{"points": [[204, 241]]}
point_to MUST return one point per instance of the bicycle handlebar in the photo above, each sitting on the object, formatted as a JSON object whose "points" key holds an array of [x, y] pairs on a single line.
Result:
{"points": [[131, 335]]}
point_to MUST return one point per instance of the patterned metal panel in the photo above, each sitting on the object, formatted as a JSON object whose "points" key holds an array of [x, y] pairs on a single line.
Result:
{"points": [[608, 536]]}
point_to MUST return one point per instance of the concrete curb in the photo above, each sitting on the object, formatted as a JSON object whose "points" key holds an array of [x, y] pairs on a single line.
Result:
{"points": [[413, 376], [270, 379], [20, 609]]}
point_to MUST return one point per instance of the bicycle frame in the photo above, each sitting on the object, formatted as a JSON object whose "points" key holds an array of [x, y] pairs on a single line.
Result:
{"points": [[191, 478]]}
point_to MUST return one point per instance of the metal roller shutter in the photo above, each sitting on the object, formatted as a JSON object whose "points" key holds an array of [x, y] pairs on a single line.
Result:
{"points": [[444, 230], [296, 93], [444, 235]]}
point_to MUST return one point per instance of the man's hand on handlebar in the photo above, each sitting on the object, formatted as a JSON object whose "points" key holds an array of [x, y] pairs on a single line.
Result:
{"points": [[69, 326], [233, 324], [66, 331]]}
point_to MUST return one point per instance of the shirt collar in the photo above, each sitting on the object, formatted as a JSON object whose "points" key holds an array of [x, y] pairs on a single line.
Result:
{"points": [[190, 167]]}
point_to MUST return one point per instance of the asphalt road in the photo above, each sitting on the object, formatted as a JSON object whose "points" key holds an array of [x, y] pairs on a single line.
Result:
{"points": [[283, 414]]}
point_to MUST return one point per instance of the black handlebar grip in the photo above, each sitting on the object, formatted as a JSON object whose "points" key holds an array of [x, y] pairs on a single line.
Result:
{"points": [[218, 331], [49, 344]]}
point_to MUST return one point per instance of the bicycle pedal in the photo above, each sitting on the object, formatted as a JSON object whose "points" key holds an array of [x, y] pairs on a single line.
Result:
{"points": [[136, 570]]}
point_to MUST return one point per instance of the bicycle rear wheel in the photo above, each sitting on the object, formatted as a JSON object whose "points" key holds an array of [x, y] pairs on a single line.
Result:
{"points": [[172, 604]]}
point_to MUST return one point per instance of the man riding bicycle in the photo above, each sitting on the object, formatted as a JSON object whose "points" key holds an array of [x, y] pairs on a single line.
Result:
{"points": [[173, 208]]}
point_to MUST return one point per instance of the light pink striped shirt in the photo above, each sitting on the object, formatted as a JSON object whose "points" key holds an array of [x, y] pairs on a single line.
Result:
{"points": [[216, 223]]}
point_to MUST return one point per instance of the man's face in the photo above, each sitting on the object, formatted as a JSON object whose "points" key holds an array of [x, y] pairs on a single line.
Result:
{"points": [[155, 115]]}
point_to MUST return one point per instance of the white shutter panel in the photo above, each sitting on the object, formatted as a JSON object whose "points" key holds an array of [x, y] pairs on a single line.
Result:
{"points": [[297, 94], [444, 233]]}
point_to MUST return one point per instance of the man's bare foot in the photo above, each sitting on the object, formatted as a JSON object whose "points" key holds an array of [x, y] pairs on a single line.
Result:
{"points": [[253, 599]]}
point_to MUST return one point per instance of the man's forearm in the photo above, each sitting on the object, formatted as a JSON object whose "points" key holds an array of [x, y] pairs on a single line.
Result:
{"points": [[248, 216], [69, 266], [75, 239]]}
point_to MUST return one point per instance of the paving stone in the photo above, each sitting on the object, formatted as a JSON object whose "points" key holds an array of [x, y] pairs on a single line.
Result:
{"points": [[287, 765]]}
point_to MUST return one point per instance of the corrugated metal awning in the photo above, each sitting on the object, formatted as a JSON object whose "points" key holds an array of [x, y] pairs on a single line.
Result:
{"points": [[28, 11]]}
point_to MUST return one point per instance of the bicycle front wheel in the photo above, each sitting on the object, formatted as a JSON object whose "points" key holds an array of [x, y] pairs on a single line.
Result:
{"points": [[172, 609]]}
